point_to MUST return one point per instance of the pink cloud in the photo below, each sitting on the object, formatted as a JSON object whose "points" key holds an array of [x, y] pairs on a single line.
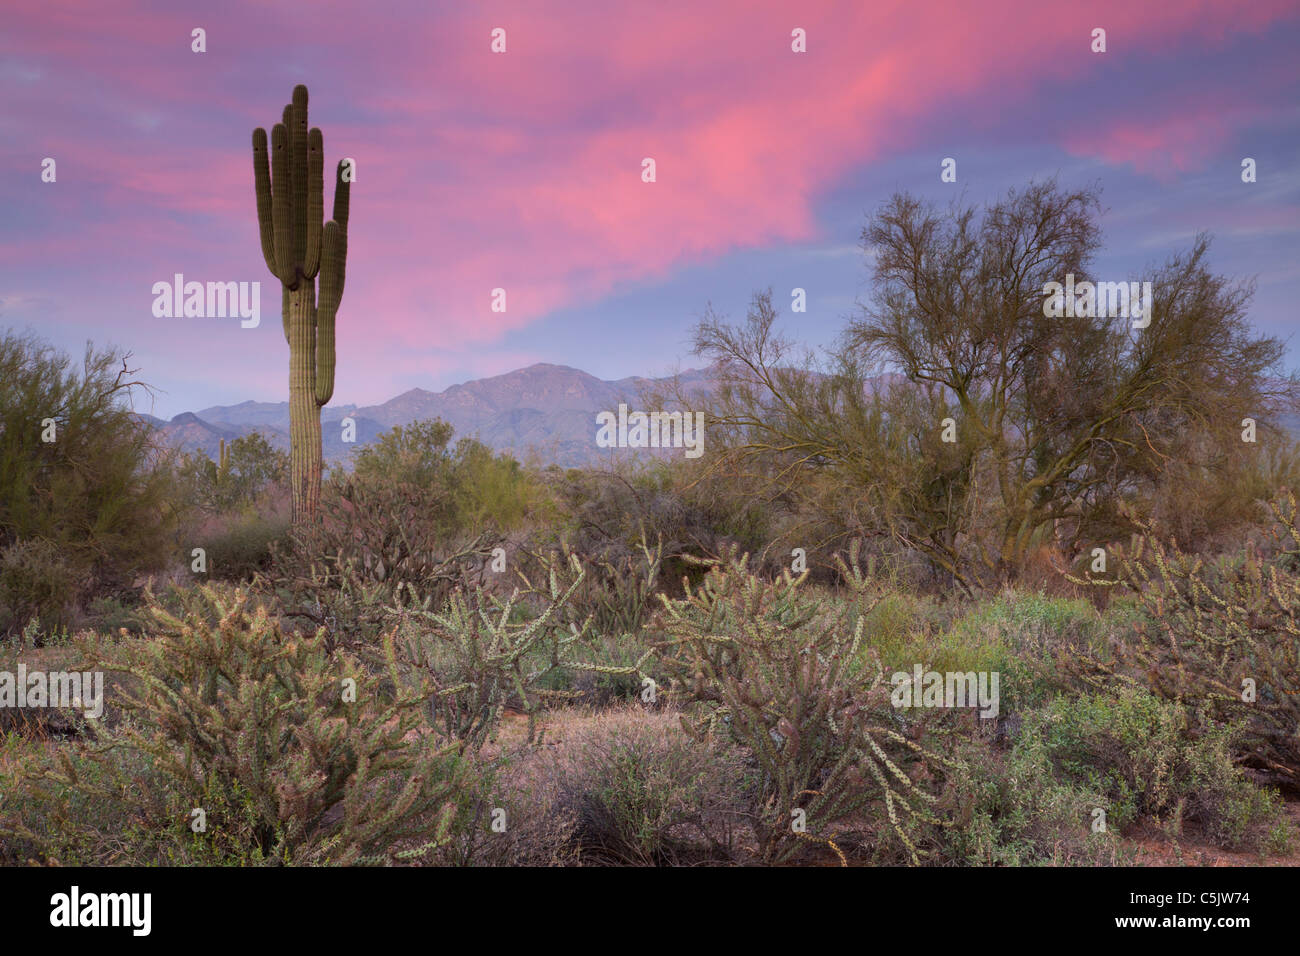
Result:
{"points": [[522, 171]]}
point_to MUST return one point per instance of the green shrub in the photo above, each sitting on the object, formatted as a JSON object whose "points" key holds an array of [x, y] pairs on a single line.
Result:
{"points": [[101, 492], [1149, 762], [462, 490], [1031, 621], [244, 546], [1012, 810], [292, 754], [414, 513], [36, 583], [110, 615], [1023, 636], [249, 471], [683, 504], [1221, 636], [643, 792], [896, 625]]}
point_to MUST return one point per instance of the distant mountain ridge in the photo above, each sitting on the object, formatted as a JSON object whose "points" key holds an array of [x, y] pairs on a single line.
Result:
{"points": [[544, 411]]}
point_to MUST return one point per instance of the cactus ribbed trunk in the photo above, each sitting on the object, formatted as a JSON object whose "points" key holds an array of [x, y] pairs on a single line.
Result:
{"points": [[306, 459], [298, 246]]}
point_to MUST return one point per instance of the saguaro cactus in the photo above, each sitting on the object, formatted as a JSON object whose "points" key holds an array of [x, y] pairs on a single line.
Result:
{"points": [[223, 462], [297, 246]]}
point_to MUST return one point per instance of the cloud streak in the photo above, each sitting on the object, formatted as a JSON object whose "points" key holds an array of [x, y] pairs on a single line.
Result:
{"points": [[522, 170]]}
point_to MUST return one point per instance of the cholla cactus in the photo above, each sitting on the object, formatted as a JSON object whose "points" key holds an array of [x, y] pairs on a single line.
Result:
{"points": [[297, 245], [294, 755], [779, 673], [1224, 637], [482, 658], [617, 593]]}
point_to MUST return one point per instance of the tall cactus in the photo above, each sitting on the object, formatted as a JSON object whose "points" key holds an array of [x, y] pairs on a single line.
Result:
{"points": [[223, 462], [297, 246]]}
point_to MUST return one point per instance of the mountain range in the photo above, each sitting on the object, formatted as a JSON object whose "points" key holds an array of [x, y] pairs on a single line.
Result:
{"points": [[545, 412]]}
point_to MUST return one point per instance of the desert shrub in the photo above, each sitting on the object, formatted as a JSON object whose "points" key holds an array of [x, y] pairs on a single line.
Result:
{"points": [[1213, 509], [250, 469], [464, 489], [1142, 754], [110, 614], [1023, 635], [773, 669], [624, 785], [615, 596], [893, 618], [504, 817], [621, 663], [1029, 620], [412, 514], [685, 507], [641, 791], [243, 546], [1221, 636], [36, 583], [1012, 810], [344, 571], [87, 823], [101, 493], [960, 647], [481, 653], [492, 491], [294, 755], [340, 604], [378, 532]]}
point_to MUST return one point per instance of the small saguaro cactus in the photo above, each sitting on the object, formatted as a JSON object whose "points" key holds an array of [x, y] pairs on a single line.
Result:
{"points": [[223, 461], [297, 245]]}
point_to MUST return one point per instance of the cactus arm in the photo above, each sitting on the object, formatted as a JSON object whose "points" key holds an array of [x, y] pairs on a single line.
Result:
{"points": [[334, 250], [284, 309], [280, 204], [298, 174], [287, 120], [262, 184], [342, 198], [315, 201]]}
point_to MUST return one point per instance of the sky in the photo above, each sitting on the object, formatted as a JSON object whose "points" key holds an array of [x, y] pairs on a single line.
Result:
{"points": [[522, 170]]}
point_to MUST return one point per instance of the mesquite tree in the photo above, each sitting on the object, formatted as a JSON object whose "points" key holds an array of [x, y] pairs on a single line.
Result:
{"points": [[297, 245]]}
